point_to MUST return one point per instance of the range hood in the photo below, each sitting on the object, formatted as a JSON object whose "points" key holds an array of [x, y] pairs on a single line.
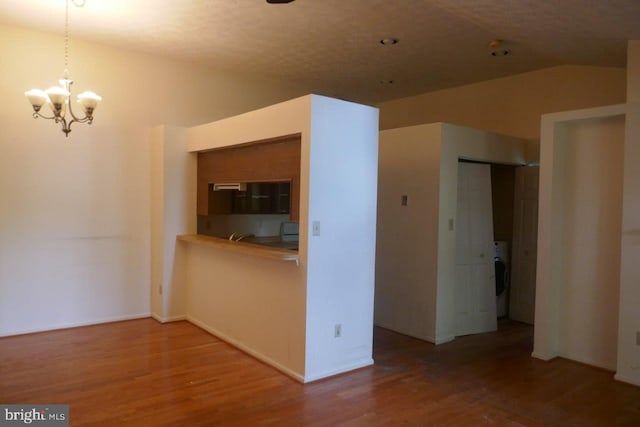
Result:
{"points": [[240, 186]]}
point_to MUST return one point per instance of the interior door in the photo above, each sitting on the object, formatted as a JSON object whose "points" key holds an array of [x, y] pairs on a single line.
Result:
{"points": [[525, 245], [475, 297]]}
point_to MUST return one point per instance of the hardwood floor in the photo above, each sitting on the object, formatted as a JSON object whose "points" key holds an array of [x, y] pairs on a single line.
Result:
{"points": [[142, 373]]}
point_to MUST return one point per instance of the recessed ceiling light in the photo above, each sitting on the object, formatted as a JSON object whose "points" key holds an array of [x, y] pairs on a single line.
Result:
{"points": [[279, 1], [496, 48], [387, 82], [389, 41]]}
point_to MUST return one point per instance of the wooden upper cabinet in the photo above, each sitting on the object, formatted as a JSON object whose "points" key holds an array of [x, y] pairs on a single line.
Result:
{"points": [[254, 162]]}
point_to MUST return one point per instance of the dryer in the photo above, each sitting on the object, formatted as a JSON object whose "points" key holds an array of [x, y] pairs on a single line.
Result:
{"points": [[501, 262]]}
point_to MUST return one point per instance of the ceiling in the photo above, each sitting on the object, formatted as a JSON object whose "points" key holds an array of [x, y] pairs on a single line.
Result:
{"points": [[333, 46]]}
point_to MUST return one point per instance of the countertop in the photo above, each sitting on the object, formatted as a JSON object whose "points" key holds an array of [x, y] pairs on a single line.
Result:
{"points": [[267, 248]]}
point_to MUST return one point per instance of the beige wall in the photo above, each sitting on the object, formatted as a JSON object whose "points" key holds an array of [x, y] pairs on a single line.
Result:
{"points": [[74, 212], [407, 236], [591, 207], [629, 325], [415, 259], [510, 105], [255, 303], [282, 313]]}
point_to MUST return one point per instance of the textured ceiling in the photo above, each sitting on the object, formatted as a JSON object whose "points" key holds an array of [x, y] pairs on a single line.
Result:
{"points": [[333, 45]]}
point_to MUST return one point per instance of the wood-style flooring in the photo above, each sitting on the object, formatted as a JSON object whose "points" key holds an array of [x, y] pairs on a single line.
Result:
{"points": [[142, 373]]}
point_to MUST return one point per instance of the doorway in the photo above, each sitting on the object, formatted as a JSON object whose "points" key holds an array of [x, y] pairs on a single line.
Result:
{"points": [[495, 245]]}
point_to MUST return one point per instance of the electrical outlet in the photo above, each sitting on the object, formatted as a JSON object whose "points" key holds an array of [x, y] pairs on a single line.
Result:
{"points": [[450, 224], [315, 228], [337, 330], [405, 200]]}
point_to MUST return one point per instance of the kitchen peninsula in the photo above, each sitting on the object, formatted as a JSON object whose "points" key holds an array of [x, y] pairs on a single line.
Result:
{"points": [[311, 318]]}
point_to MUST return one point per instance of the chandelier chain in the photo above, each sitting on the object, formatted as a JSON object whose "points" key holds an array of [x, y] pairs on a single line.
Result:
{"points": [[76, 3], [66, 36]]}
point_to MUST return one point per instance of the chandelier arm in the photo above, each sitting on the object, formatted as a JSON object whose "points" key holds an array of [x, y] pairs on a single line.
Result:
{"points": [[62, 121], [83, 120], [74, 118], [37, 114]]}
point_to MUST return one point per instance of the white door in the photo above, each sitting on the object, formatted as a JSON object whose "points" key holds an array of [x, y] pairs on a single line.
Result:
{"points": [[475, 296], [525, 244]]}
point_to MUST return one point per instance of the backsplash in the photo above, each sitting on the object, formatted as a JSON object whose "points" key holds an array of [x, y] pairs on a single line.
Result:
{"points": [[224, 225]]}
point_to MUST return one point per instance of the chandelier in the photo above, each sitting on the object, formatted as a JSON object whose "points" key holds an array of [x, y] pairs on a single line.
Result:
{"points": [[57, 97]]}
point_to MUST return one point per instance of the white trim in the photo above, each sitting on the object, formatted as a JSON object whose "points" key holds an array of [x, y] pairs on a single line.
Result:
{"points": [[77, 324], [586, 113], [427, 338], [237, 344], [626, 379], [592, 363], [168, 319], [332, 372], [446, 339], [546, 331], [544, 357]]}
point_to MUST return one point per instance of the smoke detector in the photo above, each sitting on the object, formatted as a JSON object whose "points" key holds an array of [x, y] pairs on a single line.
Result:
{"points": [[389, 41]]}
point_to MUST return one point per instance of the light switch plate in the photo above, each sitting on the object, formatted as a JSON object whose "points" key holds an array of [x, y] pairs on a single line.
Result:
{"points": [[315, 228]]}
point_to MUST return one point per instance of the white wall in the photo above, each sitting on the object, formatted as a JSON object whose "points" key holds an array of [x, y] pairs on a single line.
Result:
{"points": [[415, 263], [75, 212], [629, 323], [342, 193], [577, 284], [173, 212]]}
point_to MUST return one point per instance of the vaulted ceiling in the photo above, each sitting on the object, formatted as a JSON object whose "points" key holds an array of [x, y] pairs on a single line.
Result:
{"points": [[334, 45]]}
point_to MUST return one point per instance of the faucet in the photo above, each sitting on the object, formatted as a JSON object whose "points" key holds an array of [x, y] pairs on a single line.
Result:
{"points": [[236, 236], [242, 236]]}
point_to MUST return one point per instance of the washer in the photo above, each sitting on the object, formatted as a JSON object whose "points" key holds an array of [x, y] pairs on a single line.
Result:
{"points": [[501, 261]]}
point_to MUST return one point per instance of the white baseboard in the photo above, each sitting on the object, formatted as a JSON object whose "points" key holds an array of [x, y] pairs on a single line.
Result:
{"points": [[544, 357], [237, 344], [438, 341], [427, 338], [626, 379], [168, 319], [346, 368], [76, 324]]}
